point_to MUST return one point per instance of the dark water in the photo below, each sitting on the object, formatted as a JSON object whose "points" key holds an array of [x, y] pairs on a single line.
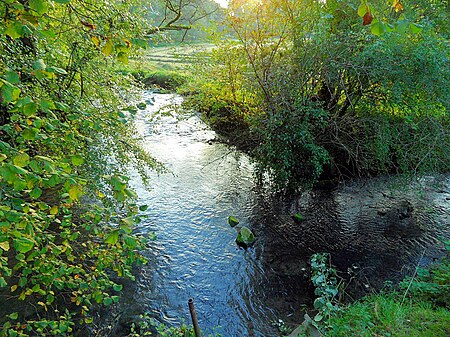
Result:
{"points": [[372, 228]]}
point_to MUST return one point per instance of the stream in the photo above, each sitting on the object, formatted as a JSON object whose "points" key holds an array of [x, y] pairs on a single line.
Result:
{"points": [[375, 230]]}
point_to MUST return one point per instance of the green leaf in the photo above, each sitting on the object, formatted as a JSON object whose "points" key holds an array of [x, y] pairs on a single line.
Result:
{"points": [[23, 245], [415, 28], [57, 70], [378, 28], [13, 316], [54, 210], [10, 93], [40, 6], [15, 30], [143, 208], [123, 57], [107, 301], [21, 160], [129, 192], [36, 193], [3, 282], [128, 221], [130, 241], [112, 237], [30, 134], [77, 160], [75, 192], [62, 106], [363, 9], [30, 109], [141, 43], [20, 185], [117, 287], [61, 1], [12, 77], [39, 65], [318, 317]]}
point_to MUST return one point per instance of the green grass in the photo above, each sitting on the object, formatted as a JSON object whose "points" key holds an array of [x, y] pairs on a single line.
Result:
{"points": [[166, 67], [385, 315]]}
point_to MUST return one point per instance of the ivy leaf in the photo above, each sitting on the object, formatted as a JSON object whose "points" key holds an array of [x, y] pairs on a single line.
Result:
{"points": [[130, 241], [117, 287], [3, 282], [107, 301], [23, 245], [40, 6], [112, 237], [20, 185], [143, 208], [21, 160]]}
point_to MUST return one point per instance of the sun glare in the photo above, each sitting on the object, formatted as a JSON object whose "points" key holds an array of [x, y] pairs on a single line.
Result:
{"points": [[222, 3]]}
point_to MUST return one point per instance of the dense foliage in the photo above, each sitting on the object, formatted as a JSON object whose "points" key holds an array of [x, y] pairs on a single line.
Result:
{"points": [[335, 88], [61, 103]]}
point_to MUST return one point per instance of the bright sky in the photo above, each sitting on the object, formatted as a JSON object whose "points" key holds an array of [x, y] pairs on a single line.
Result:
{"points": [[223, 3]]}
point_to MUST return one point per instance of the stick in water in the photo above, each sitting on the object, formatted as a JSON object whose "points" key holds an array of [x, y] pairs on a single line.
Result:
{"points": [[194, 317]]}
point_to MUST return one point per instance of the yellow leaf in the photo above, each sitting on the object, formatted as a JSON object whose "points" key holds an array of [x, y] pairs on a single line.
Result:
{"points": [[4, 245], [107, 48], [398, 6], [75, 192], [54, 210], [96, 40], [13, 288]]}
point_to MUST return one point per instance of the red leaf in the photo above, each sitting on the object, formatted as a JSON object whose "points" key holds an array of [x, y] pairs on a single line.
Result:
{"points": [[367, 19]]}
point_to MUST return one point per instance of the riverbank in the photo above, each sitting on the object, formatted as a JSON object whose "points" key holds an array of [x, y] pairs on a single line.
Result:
{"points": [[419, 307]]}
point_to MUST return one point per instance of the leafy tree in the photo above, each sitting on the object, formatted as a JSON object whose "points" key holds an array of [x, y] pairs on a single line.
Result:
{"points": [[66, 213], [344, 88]]}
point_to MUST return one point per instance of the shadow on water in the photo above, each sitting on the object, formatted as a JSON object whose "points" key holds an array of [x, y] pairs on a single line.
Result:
{"points": [[373, 228]]}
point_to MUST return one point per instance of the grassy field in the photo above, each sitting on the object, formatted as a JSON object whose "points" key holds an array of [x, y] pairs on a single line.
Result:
{"points": [[168, 66], [171, 58]]}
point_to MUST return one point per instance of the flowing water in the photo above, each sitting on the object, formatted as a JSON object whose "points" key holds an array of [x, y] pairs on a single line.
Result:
{"points": [[372, 228]]}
